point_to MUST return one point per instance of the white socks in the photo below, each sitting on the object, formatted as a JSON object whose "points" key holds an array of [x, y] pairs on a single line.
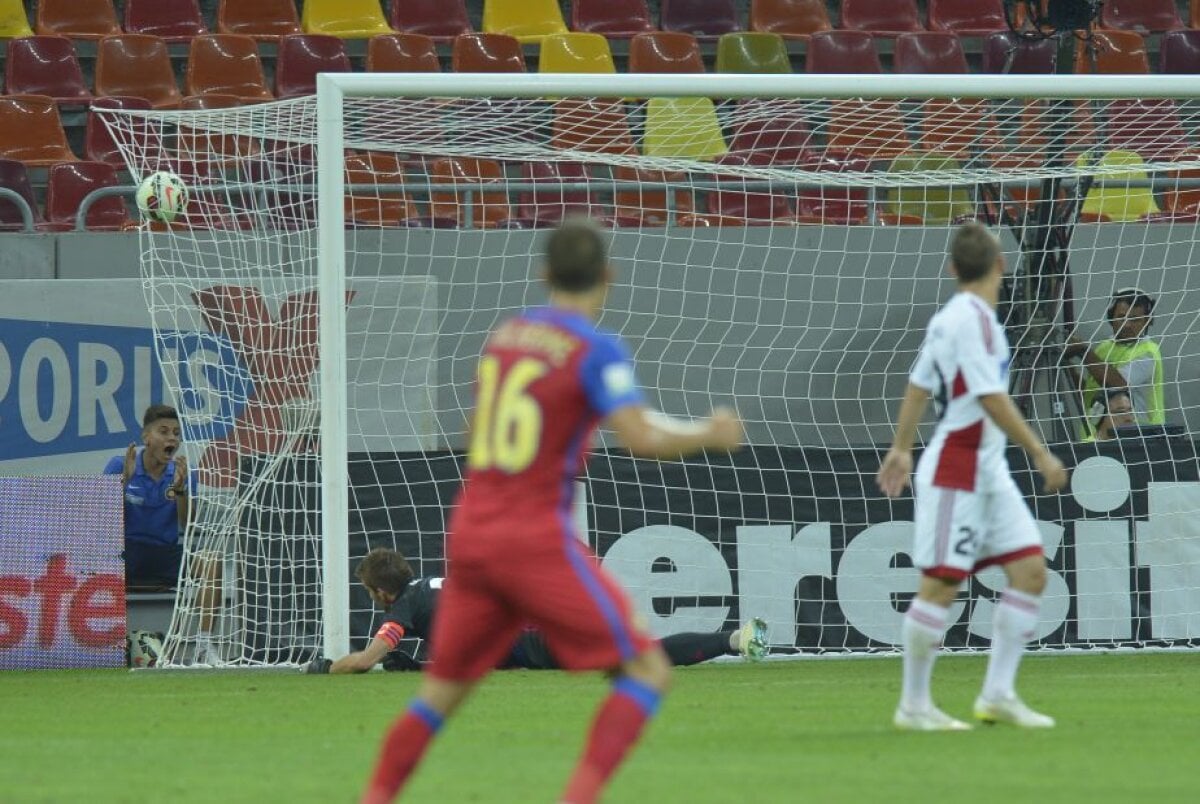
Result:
{"points": [[924, 626], [1013, 626]]}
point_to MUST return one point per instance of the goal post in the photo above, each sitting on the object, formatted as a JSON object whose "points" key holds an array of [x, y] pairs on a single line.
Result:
{"points": [[791, 276]]}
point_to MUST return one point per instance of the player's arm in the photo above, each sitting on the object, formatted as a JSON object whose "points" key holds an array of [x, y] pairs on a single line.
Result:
{"points": [[1001, 410], [647, 433], [362, 661], [896, 470]]}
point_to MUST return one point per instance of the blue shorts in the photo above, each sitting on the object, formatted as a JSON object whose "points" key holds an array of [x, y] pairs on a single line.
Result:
{"points": [[152, 564]]}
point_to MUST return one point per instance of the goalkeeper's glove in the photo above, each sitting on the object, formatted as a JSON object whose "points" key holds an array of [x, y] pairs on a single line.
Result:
{"points": [[318, 666], [399, 661]]}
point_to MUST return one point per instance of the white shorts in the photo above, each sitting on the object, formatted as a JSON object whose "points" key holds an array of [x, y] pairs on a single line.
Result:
{"points": [[960, 532]]}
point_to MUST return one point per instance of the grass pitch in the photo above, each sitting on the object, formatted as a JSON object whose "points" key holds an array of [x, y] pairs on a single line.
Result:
{"points": [[799, 731]]}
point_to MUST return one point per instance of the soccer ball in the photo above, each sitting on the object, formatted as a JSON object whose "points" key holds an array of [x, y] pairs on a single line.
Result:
{"points": [[144, 648], [162, 196]]}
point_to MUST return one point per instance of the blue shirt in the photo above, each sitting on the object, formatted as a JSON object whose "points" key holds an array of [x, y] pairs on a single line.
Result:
{"points": [[149, 516]]}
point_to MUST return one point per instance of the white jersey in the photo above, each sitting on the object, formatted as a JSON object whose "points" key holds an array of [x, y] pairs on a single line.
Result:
{"points": [[965, 356]]}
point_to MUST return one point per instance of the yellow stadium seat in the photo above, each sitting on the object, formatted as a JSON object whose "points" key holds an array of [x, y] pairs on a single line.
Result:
{"points": [[576, 53], [13, 21], [683, 128], [933, 206], [1118, 203], [527, 20], [349, 19]]}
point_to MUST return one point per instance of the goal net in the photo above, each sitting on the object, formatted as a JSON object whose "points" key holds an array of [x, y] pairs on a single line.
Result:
{"points": [[779, 245]]}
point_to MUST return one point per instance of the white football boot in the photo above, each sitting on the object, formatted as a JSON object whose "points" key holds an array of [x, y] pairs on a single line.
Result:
{"points": [[1010, 710], [931, 719]]}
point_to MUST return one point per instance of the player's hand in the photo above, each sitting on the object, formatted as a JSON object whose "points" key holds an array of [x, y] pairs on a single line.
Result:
{"points": [[1054, 474], [318, 667], [895, 473], [180, 485], [398, 661], [725, 429], [1075, 347], [130, 463]]}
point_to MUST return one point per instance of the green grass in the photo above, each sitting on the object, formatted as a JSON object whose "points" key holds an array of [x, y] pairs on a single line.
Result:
{"points": [[811, 731]]}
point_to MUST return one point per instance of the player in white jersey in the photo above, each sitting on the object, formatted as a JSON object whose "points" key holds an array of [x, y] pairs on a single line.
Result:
{"points": [[969, 513]]}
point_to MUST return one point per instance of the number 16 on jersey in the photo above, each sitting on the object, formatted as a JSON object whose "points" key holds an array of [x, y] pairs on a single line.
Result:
{"points": [[508, 419]]}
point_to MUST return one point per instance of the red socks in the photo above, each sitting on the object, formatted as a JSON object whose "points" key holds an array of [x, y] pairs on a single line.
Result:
{"points": [[617, 727], [403, 747]]}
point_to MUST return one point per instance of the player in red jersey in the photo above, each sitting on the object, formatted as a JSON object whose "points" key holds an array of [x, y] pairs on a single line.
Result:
{"points": [[546, 379]]}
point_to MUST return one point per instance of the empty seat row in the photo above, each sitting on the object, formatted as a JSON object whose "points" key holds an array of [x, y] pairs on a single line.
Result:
{"points": [[68, 184]]}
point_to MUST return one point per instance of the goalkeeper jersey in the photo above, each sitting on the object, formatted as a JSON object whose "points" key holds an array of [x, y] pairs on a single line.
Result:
{"points": [[411, 614], [965, 356]]}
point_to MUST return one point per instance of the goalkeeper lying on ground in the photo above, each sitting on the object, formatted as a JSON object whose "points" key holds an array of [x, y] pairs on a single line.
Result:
{"points": [[410, 603]]}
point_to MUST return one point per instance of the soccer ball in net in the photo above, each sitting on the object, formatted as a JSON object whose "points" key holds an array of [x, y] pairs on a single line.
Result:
{"points": [[161, 196], [144, 647]]}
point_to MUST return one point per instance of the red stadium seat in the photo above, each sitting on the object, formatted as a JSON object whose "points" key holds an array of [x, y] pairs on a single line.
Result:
{"points": [[1005, 52], [1182, 201], [549, 206], [227, 64], [1143, 16], [616, 19], [1116, 52], [373, 208], [137, 65], [1194, 13], [882, 17], [1151, 128], [705, 19], [173, 20], [209, 101], [665, 52], [301, 57], [487, 53], [646, 206], [1179, 52], [261, 19], [77, 19], [402, 53], [842, 52], [757, 207], [769, 140], [469, 206], [441, 20], [31, 131], [967, 17], [69, 183], [591, 125], [46, 65], [871, 128], [98, 143], [14, 176], [791, 18], [929, 52], [838, 206]]}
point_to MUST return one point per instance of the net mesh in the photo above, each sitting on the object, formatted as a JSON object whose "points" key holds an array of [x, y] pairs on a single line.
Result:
{"points": [[781, 255]]}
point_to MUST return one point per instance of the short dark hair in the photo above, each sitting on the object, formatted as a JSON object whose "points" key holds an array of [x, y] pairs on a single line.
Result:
{"points": [[973, 250], [156, 413], [576, 256], [384, 569]]}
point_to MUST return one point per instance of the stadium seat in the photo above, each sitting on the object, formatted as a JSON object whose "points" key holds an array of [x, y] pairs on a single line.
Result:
{"points": [[591, 125], [752, 52], [441, 20], [372, 208], [929, 52], [31, 131], [649, 206], [173, 20], [529, 21], [955, 127], [99, 145], [402, 53], [209, 101], [1184, 201], [1143, 16], [487, 53], [967, 17], [1194, 13], [1148, 127], [1115, 52], [549, 206], [769, 140], [755, 207], [932, 206], [261, 19], [616, 19], [210, 148], [77, 19], [137, 65], [13, 22], [14, 176], [665, 52], [347, 19], [834, 205], [1005, 52], [66, 187], [881, 17], [789, 18], [226, 64], [842, 52], [686, 128], [469, 206], [576, 53], [1116, 203], [1179, 52], [704, 19], [301, 57], [46, 65]]}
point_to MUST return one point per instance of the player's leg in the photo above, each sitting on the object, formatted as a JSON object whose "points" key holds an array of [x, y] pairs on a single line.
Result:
{"points": [[205, 568], [693, 648]]}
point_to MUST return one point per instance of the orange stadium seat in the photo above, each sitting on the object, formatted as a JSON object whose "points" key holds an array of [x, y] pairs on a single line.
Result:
{"points": [[1143, 16], [440, 19], [469, 206], [301, 57], [882, 17], [99, 145], [402, 53], [665, 52], [137, 65], [348, 19], [31, 131], [1194, 13], [1115, 52], [13, 22], [616, 19], [704, 19], [645, 206], [591, 125], [1179, 52], [78, 19], [528, 20], [1005, 52], [15, 176], [173, 20], [46, 65], [262, 19], [209, 101], [69, 183], [1184, 201], [790, 18], [487, 53], [752, 52], [226, 64], [373, 208], [576, 53], [967, 17]]}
